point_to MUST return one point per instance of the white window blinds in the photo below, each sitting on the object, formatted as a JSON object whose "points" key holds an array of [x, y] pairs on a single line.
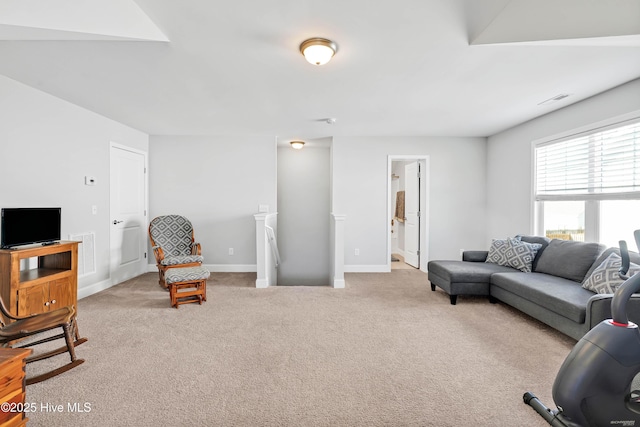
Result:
{"points": [[599, 165]]}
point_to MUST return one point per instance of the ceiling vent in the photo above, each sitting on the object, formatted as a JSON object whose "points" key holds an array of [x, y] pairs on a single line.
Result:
{"points": [[555, 99]]}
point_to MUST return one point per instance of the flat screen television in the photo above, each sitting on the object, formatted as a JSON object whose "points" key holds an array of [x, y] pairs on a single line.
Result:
{"points": [[23, 226]]}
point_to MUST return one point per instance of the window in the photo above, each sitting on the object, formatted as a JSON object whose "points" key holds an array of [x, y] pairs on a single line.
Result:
{"points": [[587, 187]]}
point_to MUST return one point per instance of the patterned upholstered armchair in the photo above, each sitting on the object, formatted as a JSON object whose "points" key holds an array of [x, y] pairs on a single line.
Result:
{"points": [[173, 244]]}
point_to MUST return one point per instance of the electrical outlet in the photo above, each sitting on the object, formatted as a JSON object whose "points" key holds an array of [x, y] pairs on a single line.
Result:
{"points": [[94, 209], [357, 251], [230, 251]]}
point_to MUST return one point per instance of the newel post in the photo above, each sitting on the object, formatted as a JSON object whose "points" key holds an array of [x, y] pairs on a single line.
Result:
{"points": [[337, 249], [266, 274]]}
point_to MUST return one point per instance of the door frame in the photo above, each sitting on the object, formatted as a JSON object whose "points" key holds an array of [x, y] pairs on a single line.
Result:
{"points": [[423, 160], [144, 243]]}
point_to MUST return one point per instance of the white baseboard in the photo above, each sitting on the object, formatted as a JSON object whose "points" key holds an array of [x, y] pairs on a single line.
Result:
{"points": [[231, 268], [85, 291], [220, 268], [353, 268], [262, 283], [338, 283]]}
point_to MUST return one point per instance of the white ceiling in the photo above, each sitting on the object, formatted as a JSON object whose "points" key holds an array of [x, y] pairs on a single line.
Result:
{"points": [[407, 67]]}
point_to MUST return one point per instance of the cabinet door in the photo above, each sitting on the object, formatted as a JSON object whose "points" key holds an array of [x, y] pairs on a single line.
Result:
{"points": [[60, 294], [32, 300]]}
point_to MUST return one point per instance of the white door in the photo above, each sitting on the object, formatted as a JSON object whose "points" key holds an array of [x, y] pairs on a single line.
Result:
{"points": [[128, 213], [412, 214]]}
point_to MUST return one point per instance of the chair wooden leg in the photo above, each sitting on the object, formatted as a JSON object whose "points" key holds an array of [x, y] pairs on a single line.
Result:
{"points": [[192, 292], [67, 337], [51, 374], [161, 281], [70, 332]]}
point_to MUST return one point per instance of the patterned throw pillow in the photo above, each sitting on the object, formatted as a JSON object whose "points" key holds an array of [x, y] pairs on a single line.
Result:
{"points": [[496, 251], [520, 255], [605, 278]]}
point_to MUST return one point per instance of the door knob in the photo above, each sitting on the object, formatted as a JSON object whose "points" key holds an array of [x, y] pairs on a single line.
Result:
{"points": [[115, 221]]}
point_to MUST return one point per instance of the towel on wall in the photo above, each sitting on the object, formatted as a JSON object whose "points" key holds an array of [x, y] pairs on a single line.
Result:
{"points": [[400, 206]]}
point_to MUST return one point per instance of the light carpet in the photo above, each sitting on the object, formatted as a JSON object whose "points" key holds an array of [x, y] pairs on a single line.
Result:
{"points": [[385, 351]]}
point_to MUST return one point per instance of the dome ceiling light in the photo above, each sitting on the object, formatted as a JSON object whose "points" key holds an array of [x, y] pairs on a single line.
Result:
{"points": [[318, 51], [297, 144]]}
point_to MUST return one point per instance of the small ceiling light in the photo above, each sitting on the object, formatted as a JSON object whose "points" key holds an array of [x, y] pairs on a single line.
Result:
{"points": [[297, 144], [318, 51]]}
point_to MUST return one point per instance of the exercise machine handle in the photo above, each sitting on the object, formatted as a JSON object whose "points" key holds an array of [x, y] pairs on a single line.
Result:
{"points": [[630, 286], [624, 254]]}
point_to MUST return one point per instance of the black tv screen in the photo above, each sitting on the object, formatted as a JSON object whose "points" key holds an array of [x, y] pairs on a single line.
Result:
{"points": [[23, 226]]}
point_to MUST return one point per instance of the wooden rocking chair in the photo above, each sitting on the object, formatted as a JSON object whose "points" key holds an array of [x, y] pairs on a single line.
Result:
{"points": [[23, 327]]}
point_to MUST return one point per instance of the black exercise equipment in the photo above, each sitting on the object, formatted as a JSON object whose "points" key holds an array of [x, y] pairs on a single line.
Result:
{"points": [[599, 382]]}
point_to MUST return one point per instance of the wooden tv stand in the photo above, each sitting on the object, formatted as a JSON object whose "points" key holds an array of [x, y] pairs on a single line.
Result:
{"points": [[52, 284]]}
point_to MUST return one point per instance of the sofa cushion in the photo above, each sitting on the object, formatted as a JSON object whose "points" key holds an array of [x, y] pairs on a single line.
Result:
{"points": [[465, 272], [568, 259], [605, 278], [520, 255], [562, 296], [543, 241]]}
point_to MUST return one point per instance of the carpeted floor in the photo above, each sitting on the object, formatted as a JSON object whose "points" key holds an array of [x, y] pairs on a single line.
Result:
{"points": [[385, 351]]}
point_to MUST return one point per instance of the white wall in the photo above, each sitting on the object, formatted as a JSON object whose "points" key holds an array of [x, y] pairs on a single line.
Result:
{"points": [[218, 183], [47, 147], [509, 156], [457, 194]]}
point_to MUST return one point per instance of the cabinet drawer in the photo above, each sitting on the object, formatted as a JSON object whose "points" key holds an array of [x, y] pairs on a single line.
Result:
{"points": [[15, 399], [16, 421], [11, 377]]}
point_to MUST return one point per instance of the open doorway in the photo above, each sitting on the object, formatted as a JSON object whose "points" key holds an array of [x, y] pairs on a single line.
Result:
{"points": [[407, 206]]}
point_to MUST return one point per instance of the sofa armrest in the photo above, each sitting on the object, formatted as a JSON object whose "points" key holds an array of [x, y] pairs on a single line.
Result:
{"points": [[475, 256], [599, 309]]}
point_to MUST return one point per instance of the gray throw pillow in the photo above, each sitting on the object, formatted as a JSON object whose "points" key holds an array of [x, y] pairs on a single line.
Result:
{"points": [[568, 259], [520, 254], [497, 250], [605, 278]]}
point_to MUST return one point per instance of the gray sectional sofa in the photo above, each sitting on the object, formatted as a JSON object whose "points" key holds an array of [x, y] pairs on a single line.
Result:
{"points": [[549, 289]]}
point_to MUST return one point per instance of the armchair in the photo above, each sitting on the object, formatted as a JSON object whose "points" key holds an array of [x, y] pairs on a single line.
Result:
{"points": [[173, 244]]}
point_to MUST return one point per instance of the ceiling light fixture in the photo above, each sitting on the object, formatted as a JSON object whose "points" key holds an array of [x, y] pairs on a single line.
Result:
{"points": [[297, 144], [318, 51]]}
